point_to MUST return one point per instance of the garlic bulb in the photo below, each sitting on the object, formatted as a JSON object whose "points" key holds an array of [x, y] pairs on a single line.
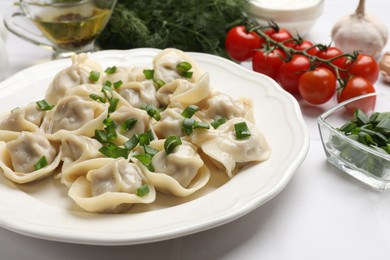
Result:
{"points": [[384, 66], [360, 32]]}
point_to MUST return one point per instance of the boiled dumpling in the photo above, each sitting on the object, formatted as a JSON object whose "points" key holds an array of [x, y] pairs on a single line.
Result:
{"points": [[165, 62], [75, 115], [110, 186], [125, 74], [182, 93], [18, 157], [180, 173], [78, 148], [74, 75], [139, 94], [229, 153]]}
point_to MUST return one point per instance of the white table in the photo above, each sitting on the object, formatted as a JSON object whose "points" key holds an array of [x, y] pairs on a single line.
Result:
{"points": [[321, 214]]}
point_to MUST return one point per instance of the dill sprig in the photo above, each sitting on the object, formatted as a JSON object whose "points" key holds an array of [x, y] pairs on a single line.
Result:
{"points": [[199, 26]]}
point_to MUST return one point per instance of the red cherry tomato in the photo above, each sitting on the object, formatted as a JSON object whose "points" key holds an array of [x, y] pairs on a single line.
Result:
{"points": [[268, 63], [331, 53], [303, 45], [365, 66], [290, 72], [357, 86], [317, 86], [280, 35], [240, 44]]}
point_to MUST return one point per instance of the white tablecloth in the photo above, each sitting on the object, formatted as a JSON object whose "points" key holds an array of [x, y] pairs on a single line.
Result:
{"points": [[321, 214]]}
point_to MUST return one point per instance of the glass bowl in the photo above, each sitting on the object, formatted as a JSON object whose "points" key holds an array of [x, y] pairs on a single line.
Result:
{"points": [[361, 161]]}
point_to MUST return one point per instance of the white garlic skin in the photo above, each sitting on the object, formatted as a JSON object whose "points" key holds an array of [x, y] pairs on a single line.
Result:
{"points": [[360, 32]]}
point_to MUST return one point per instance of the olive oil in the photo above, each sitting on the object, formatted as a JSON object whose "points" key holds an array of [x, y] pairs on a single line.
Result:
{"points": [[73, 30]]}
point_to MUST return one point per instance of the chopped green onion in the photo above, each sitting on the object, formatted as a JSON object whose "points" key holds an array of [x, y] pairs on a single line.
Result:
{"points": [[188, 125], [146, 160], [158, 83], [94, 76], [97, 98], [189, 111], [118, 84], [144, 139], [171, 143], [198, 124], [149, 74], [361, 117], [150, 150], [183, 69], [109, 122], [131, 143], [128, 124], [143, 190], [242, 130], [107, 91], [113, 151], [101, 136], [153, 111], [110, 70], [218, 122], [113, 104], [42, 162], [43, 105]]}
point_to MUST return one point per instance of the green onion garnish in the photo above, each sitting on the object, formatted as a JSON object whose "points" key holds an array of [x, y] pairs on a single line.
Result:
{"points": [[189, 111], [143, 190], [158, 83], [110, 70], [171, 143], [131, 143], [153, 111], [94, 76], [242, 130], [198, 124], [150, 150], [43, 105], [218, 122], [118, 84], [113, 151], [146, 160], [113, 104], [128, 125], [183, 69], [149, 74], [42, 162], [188, 125], [97, 98], [144, 139]]}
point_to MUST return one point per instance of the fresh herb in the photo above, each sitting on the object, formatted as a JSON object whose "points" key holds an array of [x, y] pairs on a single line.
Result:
{"points": [[149, 74], [143, 190], [43, 105], [183, 69], [199, 26], [42, 162], [158, 83], [128, 124], [146, 160], [132, 142], [171, 143], [218, 122], [242, 130], [114, 151], [189, 111], [189, 124], [111, 70], [118, 84], [153, 111], [94, 76]]}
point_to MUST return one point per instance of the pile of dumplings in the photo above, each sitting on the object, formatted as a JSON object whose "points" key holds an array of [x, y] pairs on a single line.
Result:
{"points": [[64, 135]]}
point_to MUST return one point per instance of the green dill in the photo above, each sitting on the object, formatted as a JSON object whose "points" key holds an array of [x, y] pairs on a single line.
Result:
{"points": [[199, 26]]}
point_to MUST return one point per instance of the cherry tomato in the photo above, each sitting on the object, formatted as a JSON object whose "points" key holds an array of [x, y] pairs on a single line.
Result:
{"points": [[365, 66], [280, 35], [330, 53], [268, 63], [303, 45], [317, 86], [357, 86], [290, 72], [240, 44]]}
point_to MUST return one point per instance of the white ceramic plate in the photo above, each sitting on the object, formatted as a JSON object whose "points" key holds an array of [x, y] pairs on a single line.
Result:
{"points": [[43, 209]]}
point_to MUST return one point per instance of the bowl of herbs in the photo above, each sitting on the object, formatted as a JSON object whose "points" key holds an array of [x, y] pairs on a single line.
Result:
{"points": [[357, 142]]}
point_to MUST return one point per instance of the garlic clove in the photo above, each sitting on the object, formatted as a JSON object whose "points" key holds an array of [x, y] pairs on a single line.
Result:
{"points": [[360, 32], [384, 66]]}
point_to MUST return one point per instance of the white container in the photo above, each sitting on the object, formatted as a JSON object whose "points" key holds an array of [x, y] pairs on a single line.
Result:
{"points": [[297, 16]]}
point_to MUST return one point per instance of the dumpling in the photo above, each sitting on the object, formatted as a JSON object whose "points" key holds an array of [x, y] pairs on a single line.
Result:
{"points": [[76, 148], [125, 74], [109, 185], [139, 94], [75, 115], [181, 93], [221, 105], [74, 75], [169, 124], [124, 114], [229, 153], [19, 157], [27, 118], [165, 62], [180, 173]]}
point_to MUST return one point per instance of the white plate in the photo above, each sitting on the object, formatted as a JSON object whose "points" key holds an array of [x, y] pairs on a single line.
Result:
{"points": [[43, 209]]}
